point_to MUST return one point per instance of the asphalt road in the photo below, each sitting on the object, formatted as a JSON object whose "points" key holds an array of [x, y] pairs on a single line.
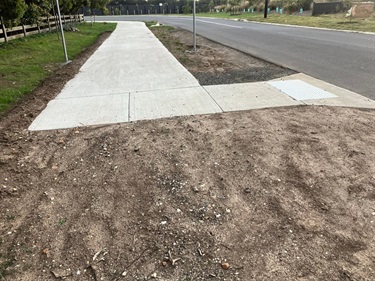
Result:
{"points": [[345, 59]]}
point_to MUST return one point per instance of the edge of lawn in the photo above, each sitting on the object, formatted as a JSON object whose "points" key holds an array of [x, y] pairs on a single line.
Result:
{"points": [[28, 62]]}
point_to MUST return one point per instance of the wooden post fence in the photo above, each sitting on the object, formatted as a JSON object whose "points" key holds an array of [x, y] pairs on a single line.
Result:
{"points": [[46, 24], [3, 28]]}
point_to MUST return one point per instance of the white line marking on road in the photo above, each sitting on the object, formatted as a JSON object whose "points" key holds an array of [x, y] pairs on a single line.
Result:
{"points": [[189, 19], [220, 24]]}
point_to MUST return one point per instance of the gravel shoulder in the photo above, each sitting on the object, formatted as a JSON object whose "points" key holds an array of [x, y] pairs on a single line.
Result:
{"points": [[272, 194]]}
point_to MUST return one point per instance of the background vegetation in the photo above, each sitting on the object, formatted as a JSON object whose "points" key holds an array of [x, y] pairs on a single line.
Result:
{"points": [[15, 12], [229, 6]]}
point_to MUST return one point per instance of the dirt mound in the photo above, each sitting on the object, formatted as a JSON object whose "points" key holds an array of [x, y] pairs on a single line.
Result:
{"points": [[277, 194]]}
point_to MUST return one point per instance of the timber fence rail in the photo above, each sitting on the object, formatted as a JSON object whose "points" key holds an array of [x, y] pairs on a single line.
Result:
{"points": [[46, 24]]}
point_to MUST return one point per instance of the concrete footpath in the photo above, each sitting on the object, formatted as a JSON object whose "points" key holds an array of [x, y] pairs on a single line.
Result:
{"points": [[132, 76]]}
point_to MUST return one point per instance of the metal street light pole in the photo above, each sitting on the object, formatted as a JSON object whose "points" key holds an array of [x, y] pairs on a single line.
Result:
{"points": [[62, 31], [194, 28]]}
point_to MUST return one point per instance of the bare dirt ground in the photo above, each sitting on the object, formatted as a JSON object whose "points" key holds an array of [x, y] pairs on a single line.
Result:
{"points": [[276, 194], [214, 64]]}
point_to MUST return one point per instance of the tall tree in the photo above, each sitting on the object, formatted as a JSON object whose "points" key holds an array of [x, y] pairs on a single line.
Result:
{"points": [[11, 11], [36, 9], [98, 4], [78, 4], [66, 6], [71, 6]]}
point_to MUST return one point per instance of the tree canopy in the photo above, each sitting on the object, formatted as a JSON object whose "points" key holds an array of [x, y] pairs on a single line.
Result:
{"points": [[13, 12]]}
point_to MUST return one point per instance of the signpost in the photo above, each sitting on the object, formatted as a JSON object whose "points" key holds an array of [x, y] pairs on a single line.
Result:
{"points": [[62, 32], [194, 28]]}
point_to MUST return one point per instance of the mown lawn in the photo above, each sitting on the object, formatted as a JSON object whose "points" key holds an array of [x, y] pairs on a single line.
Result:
{"points": [[28, 61], [337, 21]]}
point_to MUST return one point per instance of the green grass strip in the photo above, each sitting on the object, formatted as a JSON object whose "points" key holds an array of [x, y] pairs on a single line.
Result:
{"points": [[337, 21], [26, 62]]}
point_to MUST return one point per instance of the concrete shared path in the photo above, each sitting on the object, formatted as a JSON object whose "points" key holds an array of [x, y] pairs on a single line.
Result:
{"points": [[132, 76]]}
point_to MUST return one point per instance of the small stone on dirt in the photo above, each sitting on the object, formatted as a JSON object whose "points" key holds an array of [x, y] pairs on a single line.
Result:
{"points": [[61, 273], [225, 265]]}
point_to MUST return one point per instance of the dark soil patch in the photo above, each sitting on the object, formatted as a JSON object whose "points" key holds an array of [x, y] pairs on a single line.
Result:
{"points": [[214, 64], [348, 22]]}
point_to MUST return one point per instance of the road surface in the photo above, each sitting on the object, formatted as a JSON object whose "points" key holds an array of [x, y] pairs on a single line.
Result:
{"points": [[345, 59]]}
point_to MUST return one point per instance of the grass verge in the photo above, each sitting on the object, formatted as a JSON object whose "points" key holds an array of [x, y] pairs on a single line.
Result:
{"points": [[28, 61], [337, 21]]}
